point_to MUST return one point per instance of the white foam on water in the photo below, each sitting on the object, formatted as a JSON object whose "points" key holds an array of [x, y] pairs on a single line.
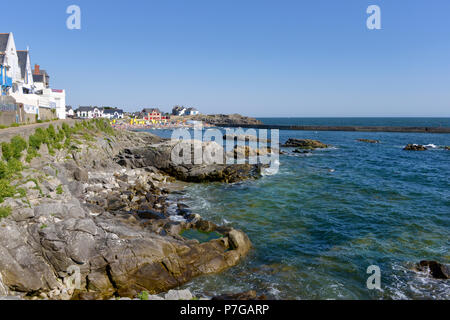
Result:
{"points": [[274, 292], [172, 209], [271, 171], [177, 218], [409, 284]]}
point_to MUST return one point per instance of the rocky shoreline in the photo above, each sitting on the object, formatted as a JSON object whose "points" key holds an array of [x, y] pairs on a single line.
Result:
{"points": [[104, 211], [104, 218]]}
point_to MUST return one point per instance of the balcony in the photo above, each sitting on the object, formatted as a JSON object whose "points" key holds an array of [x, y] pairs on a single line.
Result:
{"points": [[8, 82]]}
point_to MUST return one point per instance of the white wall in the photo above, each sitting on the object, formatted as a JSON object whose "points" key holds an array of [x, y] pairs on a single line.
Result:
{"points": [[28, 81], [13, 62]]}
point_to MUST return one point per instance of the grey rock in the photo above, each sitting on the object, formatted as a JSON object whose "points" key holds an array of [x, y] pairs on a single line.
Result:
{"points": [[81, 175], [178, 295], [22, 214]]}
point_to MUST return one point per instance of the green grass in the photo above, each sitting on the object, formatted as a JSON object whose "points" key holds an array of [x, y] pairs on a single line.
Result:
{"points": [[144, 295], [59, 189], [5, 212], [37, 187]]}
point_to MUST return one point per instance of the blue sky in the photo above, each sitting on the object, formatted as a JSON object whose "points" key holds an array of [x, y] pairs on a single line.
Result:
{"points": [[258, 58]]}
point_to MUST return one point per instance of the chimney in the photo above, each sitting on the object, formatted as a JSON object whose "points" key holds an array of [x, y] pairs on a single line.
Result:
{"points": [[36, 69]]}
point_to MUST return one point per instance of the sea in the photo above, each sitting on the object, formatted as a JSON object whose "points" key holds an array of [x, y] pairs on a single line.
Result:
{"points": [[322, 222]]}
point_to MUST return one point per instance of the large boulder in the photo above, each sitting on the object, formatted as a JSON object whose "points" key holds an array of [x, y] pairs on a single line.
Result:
{"points": [[210, 168], [437, 270]]}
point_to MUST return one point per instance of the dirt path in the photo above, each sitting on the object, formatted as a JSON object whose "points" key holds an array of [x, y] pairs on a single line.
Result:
{"points": [[27, 130]]}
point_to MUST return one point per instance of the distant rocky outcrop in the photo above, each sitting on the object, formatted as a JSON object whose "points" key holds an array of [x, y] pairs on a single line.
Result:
{"points": [[368, 140], [415, 147], [226, 119], [305, 144]]}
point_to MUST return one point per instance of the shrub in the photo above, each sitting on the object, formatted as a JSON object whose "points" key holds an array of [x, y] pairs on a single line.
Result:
{"points": [[67, 143], [51, 133], [38, 138], [61, 135], [67, 130], [6, 190], [31, 154], [18, 144], [6, 151], [10, 168], [104, 126], [13, 150]]}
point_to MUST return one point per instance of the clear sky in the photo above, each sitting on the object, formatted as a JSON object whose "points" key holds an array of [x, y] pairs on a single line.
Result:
{"points": [[254, 57]]}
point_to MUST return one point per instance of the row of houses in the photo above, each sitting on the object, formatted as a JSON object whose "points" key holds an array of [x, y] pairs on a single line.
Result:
{"points": [[148, 114], [28, 87], [89, 112]]}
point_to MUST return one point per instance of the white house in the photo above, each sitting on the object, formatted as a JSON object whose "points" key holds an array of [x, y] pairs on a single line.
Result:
{"points": [[89, 112], [28, 87], [41, 79], [10, 61], [69, 112], [57, 98], [179, 111], [192, 112], [113, 113], [96, 112], [26, 72]]}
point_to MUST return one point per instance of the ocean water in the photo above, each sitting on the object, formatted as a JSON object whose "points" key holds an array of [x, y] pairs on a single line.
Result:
{"points": [[395, 122], [324, 218]]}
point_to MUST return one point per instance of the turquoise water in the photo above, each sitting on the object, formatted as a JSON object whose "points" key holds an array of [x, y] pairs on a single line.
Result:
{"points": [[202, 237], [324, 218]]}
